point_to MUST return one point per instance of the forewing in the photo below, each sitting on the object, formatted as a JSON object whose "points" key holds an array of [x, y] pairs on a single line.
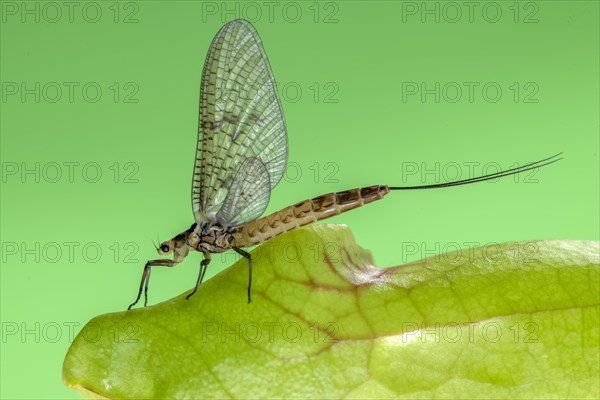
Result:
{"points": [[248, 196], [240, 118]]}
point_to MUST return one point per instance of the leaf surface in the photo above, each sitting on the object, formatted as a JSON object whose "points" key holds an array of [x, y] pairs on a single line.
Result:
{"points": [[509, 320]]}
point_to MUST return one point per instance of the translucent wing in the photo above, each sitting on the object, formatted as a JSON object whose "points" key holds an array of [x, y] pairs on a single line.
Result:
{"points": [[249, 194], [240, 118]]}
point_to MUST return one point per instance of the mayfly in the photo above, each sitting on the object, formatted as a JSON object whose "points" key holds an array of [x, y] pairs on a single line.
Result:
{"points": [[241, 155]]}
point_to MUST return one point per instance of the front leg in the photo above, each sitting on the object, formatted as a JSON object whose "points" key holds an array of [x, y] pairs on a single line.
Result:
{"points": [[247, 256], [203, 265], [146, 279]]}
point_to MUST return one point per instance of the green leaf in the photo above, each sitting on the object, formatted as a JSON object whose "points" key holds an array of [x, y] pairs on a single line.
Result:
{"points": [[510, 320]]}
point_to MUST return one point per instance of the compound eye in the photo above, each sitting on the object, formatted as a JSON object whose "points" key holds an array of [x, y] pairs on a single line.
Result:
{"points": [[164, 248]]}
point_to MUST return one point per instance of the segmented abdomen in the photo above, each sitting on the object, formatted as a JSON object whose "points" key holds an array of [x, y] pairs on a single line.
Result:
{"points": [[304, 213]]}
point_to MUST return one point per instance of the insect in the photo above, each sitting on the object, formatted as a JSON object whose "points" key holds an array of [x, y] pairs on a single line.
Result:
{"points": [[241, 155]]}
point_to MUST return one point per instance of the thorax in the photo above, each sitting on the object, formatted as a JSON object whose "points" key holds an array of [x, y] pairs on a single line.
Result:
{"points": [[210, 237]]}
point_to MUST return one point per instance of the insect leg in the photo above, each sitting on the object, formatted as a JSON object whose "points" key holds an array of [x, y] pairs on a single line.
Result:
{"points": [[146, 279], [203, 265], [247, 256]]}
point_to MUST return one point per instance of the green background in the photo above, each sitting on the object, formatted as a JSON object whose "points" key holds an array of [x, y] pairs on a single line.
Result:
{"points": [[359, 128]]}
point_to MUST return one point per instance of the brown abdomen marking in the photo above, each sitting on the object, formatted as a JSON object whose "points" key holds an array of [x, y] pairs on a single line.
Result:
{"points": [[304, 213]]}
